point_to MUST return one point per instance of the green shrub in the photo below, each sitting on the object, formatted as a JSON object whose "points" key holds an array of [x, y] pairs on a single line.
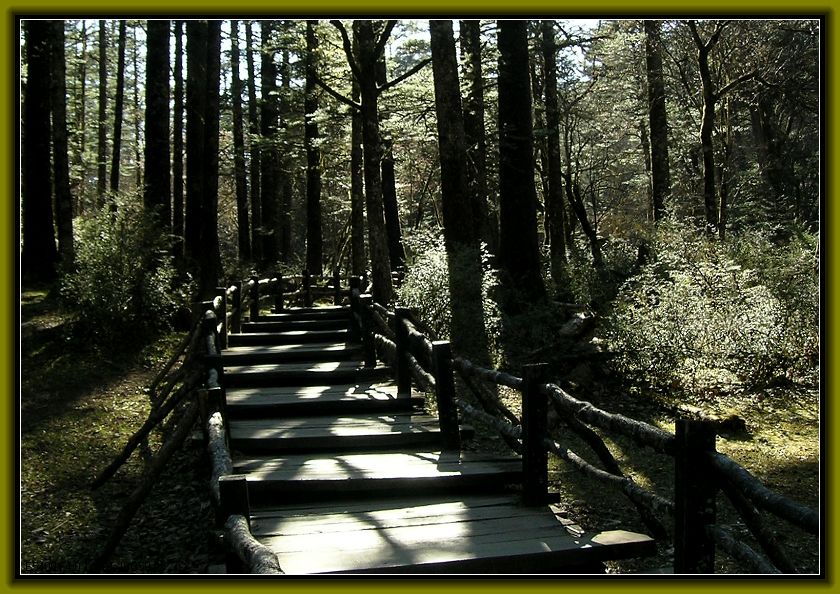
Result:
{"points": [[124, 283], [704, 312]]}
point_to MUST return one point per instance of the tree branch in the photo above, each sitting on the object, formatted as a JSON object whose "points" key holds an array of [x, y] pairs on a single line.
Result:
{"points": [[383, 39], [399, 79], [348, 49], [735, 83], [335, 94]]}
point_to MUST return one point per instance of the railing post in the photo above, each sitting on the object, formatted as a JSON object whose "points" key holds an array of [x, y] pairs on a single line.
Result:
{"points": [[403, 373], [367, 336], [222, 292], [534, 431], [236, 309], [445, 395], [279, 295], [695, 493], [307, 289], [336, 286], [255, 299], [355, 313], [233, 501]]}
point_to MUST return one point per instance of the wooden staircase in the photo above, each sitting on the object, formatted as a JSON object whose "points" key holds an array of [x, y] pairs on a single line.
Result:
{"points": [[346, 475]]}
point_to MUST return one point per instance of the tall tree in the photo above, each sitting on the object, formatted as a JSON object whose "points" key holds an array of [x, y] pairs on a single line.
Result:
{"points": [[285, 166], [659, 168], [118, 109], [314, 242], [178, 143], [459, 224], [240, 175], [371, 42], [357, 197], [156, 178], [554, 212], [102, 148], [61, 159], [518, 244], [211, 262], [475, 135], [39, 254], [255, 148], [269, 153]]}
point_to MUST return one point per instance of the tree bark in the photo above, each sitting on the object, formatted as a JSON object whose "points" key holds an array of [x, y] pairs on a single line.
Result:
{"points": [[314, 241], [255, 148], [487, 225], [102, 145], [156, 196], [269, 182], [659, 167], [61, 160], [357, 197], [518, 245], [368, 93], [80, 134], [210, 261], [196, 108], [242, 210], [178, 144], [39, 255], [285, 167], [554, 211], [118, 113]]}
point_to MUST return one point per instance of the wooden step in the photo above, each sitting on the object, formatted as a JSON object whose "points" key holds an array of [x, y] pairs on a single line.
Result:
{"points": [[316, 351], [310, 476], [471, 534], [291, 337], [303, 374], [337, 433], [289, 325], [323, 400], [337, 312]]}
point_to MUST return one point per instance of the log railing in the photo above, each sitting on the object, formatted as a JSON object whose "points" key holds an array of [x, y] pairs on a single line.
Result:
{"points": [[701, 473]]}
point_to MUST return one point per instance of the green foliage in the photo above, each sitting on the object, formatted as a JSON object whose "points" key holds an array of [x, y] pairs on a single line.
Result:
{"points": [[426, 285], [705, 312], [125, 284]]}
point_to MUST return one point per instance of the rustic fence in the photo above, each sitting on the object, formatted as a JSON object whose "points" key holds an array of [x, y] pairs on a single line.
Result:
{"points": [[398, 338]]}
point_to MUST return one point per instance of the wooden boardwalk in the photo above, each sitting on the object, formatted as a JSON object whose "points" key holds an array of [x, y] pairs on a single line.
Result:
{"points": [[345, 475]]}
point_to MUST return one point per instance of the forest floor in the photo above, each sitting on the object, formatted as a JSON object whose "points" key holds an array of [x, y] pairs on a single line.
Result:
{"points": [[79, 405]]}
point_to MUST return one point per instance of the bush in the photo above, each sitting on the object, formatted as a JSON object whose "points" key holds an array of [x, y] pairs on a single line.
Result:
{"points": [[426, 285], [704, 312], [124, 283]]}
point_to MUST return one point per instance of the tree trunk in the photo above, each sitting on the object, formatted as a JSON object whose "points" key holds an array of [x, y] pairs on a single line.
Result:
{"points": [[240, 175], [269, 181], [139, 161], [285, 168], [118, 113], [255, 147], [487, 224], [102, 148], [462, 242], [396, 252], [707, 126], [196, 108], [645, 140], [314, 241], [357, 197], [210, 261], [554, 211], [61, 159], [377, 233], [659, 167], [156, 197], [80, 134], [178, 144], [39, 255], [518, 245]]}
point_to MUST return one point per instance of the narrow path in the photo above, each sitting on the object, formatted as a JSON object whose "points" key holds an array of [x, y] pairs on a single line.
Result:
{"points": [[346, 475]]}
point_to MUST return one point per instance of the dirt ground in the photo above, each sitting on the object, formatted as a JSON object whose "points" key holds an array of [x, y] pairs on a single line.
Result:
{"points": [[78, 407]]}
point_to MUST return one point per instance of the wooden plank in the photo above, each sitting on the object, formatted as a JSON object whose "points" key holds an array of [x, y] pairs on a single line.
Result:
{"points": [[290, 337], [283, 349], [289, 325], [322, 367], [375, 391], [330, 426]]}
